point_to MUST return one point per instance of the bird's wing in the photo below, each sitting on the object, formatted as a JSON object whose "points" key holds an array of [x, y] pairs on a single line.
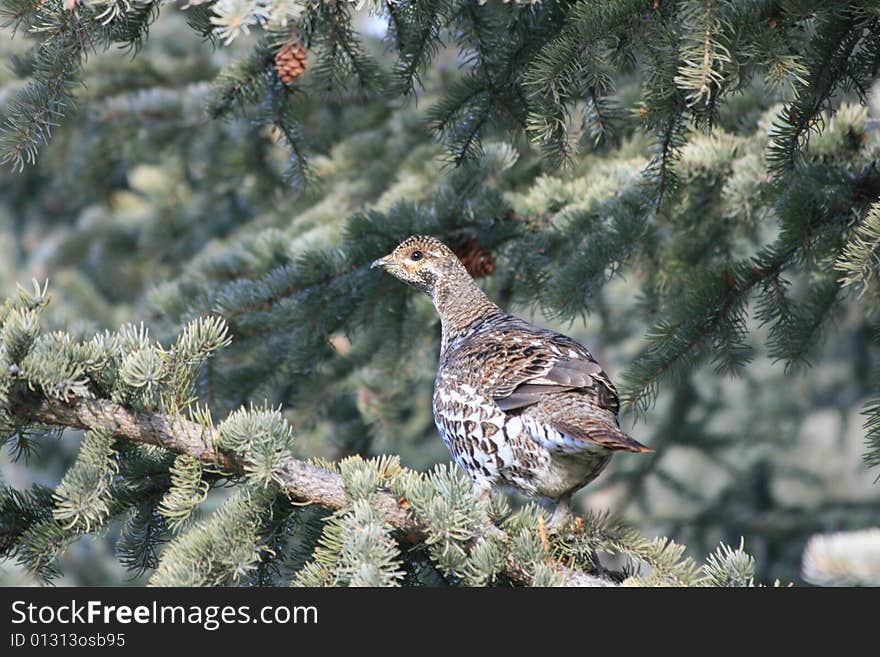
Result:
{"points": [[533, 364]]}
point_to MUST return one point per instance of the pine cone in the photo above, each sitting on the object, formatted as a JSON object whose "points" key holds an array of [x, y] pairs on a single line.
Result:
{"points": [[475, 257], [290, 61]]}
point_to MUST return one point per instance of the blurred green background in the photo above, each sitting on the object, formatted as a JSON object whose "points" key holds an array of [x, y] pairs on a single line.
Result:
{"points": [[141, 202]]}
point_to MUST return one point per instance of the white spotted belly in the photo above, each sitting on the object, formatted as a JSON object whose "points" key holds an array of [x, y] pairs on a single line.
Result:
{"points": [[499, 449]]}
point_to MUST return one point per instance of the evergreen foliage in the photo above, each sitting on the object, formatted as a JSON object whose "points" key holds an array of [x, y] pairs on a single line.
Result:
{"points": [[843, 558], [696, 182]]}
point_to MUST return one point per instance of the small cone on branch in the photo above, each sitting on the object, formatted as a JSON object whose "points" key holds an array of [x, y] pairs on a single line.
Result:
{"points": [[477, 259], [290, 61]]}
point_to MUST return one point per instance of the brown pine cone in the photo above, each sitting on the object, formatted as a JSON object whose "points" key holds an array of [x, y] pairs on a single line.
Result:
{"points": [[290, 61], [476, 258]]}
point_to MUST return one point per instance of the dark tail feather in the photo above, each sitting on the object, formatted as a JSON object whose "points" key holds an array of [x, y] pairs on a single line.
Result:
{"points": [[604, 436]]}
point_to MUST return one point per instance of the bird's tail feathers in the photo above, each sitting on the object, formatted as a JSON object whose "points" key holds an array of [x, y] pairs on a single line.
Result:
{"points": [[603, 435]]}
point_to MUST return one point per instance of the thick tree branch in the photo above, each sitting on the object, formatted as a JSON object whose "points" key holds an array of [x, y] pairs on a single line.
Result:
{"points": [[301, 481]]}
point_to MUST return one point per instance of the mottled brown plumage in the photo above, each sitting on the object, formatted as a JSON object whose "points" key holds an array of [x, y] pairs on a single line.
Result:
{"points": [[516, 405]]}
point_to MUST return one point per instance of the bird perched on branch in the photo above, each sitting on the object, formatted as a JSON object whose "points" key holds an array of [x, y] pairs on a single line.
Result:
{"points": [[516, 405]]}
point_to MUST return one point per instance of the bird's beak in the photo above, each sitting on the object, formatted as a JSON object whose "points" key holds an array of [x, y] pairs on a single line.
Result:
{"points": [[381, 262]]}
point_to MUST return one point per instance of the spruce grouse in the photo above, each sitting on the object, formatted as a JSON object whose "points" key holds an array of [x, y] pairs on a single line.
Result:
{"points": [[516, 405]]}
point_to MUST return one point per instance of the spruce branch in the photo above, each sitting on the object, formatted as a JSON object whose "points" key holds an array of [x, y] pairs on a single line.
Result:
{"points": [[704, 54], [418, 26], [303, 482], [843, 558], [241, 83], [712, 312], [829, 66], [872, 419], [67, 38], [859, 262]]}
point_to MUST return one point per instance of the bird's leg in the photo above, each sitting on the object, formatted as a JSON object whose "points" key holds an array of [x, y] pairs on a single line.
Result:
{"points": [[561, 514], [562, 518]]}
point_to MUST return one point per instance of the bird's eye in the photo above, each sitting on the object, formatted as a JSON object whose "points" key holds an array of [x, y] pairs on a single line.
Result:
{"points": [[415, 255]]}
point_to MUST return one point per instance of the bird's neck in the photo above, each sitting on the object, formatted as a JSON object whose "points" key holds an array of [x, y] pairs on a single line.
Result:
{"points": [[462, 305]]}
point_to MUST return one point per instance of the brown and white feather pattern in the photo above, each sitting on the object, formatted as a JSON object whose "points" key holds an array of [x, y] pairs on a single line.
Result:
{"points": [[516, 405], [527, 408]]}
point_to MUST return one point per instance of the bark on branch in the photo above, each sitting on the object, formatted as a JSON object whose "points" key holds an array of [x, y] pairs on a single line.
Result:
{"points": [[301, 481]]}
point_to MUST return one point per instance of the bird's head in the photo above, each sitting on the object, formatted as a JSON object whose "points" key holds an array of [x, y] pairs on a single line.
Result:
{"points": [[423, 262]]}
